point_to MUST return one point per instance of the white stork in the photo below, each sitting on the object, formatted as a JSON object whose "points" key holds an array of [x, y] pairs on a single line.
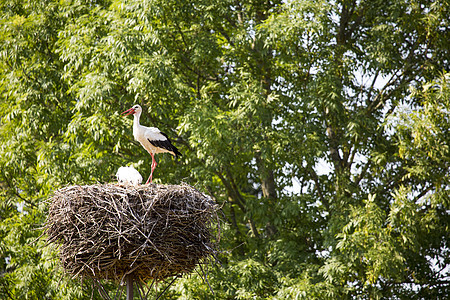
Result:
{"points": [[128, 175], [151, 138]]}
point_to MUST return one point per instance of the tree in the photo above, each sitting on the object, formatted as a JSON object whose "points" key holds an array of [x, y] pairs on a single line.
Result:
{"points": [[259, 96]]}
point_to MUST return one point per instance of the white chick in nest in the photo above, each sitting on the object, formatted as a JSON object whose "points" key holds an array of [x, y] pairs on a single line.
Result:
{"points": [[128, 175]]}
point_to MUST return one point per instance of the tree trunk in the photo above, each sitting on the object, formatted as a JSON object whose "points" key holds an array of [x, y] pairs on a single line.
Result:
{"points": [[268, 189]]}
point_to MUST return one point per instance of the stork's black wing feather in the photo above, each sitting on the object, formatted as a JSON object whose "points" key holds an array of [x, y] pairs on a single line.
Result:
{"points": [[165, 144]]}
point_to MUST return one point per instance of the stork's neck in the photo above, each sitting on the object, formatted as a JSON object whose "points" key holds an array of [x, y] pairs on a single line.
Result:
{"points": [[136, 124]]}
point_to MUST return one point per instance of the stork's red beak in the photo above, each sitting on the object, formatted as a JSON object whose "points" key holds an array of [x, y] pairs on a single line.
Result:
{"points": [[129, 112]]}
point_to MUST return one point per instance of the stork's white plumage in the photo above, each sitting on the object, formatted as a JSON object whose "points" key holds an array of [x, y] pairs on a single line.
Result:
{"points": [[151, 138], [128, 175]]}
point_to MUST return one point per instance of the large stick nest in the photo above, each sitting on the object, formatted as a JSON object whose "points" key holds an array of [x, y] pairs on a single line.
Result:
{"points": [[150, 231]]}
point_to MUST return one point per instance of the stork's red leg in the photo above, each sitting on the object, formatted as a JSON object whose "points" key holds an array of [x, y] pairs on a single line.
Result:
{"points": [[150, 178]]}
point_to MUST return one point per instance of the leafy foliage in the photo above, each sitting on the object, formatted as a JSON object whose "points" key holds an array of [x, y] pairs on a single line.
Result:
{"points": [[320, 127]]}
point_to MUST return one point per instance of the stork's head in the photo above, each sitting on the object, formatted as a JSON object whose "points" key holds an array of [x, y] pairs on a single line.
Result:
{"points": [[136, 109]]}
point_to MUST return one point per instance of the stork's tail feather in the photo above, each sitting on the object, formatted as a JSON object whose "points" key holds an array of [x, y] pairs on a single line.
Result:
{"points": [[177, 153]]}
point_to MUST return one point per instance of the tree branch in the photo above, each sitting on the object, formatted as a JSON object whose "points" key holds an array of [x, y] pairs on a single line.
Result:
{"points": [[315, 178], [236, 198]]}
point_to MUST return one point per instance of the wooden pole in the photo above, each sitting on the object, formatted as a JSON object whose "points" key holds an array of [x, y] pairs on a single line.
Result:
{"points": [[129, 287]]}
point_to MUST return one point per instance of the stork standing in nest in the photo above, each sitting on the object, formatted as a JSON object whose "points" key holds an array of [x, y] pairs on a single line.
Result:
{"points": [[151, 138]]}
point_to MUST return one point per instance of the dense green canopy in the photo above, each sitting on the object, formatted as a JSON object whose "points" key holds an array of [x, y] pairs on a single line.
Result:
{"points": [[321, 127]]}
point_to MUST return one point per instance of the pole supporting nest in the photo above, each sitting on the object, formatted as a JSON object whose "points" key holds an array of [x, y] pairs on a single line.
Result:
{"points": [[129, 279]]}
